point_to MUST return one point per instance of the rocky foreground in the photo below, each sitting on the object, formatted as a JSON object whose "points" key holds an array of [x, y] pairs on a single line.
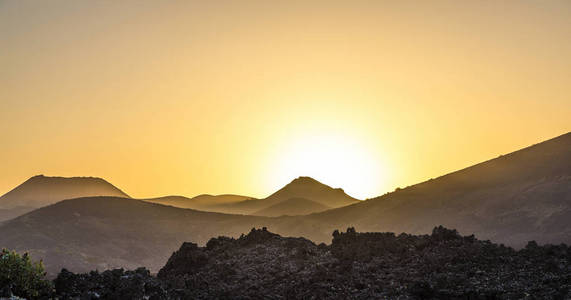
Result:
{"points": [[263, 265]]}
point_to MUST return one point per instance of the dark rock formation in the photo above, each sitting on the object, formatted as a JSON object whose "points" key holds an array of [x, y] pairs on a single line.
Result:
{"points": [[261, 264], [111, 284]]}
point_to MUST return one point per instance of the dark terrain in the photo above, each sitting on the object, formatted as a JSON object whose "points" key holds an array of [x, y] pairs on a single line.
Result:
{"points": [[264, 265]]}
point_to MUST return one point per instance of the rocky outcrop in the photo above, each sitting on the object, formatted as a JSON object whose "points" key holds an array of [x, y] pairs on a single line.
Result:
{"points": [[111, 284], [261, 264]]}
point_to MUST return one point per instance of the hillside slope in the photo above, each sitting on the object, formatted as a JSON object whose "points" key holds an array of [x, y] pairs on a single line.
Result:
{"points": [[42, 190], [521, 196], [109, 232], [292, 207]]}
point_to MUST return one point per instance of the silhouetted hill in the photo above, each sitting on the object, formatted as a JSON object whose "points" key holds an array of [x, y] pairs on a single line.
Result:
{"points": [[309, 188], [200, 202], [41, 190], [292, 207], [521, 196], [302, 187], [108, 232]]}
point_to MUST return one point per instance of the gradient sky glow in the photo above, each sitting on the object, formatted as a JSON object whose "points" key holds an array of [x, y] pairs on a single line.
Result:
{"points": [[190, 97]]}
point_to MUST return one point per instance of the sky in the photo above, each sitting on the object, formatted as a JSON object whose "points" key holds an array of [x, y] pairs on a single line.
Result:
{"points": [[192, 97]]}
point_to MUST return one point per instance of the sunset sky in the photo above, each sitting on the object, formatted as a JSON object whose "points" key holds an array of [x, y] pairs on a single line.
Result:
{"points": [[183, 97]]}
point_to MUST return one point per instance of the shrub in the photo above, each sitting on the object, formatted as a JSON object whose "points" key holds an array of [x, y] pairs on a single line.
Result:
{"points": [[22, 277], [441, 234]]}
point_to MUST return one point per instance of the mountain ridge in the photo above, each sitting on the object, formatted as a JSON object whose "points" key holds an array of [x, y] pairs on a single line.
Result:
{"points": [[511, 200], [40, 190], [485, 199], [200, 202], [301, 187]]}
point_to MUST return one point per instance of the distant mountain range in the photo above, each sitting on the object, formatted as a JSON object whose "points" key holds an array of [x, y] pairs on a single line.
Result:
{"points": [[201, 202], [318, 197], [525, 195], [40, 191], [286, 201]]}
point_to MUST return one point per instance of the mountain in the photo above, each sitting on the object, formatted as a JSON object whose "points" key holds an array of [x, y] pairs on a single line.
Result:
{"points": [[522, 196], [201, 202], [292, 207], [41, 190], [101, 233], [107, 232], [309, 188], [301, 187]]}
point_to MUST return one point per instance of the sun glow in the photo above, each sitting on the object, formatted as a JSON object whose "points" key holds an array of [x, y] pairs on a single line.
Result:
{"points": [[337, 160], [241, 97]]}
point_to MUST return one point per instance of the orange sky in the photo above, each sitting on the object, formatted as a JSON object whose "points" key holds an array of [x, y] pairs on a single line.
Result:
{"points": [[184, 97]]}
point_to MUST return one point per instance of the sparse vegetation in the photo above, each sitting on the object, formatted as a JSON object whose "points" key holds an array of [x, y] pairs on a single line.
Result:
{"points": [[22, 277]]}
